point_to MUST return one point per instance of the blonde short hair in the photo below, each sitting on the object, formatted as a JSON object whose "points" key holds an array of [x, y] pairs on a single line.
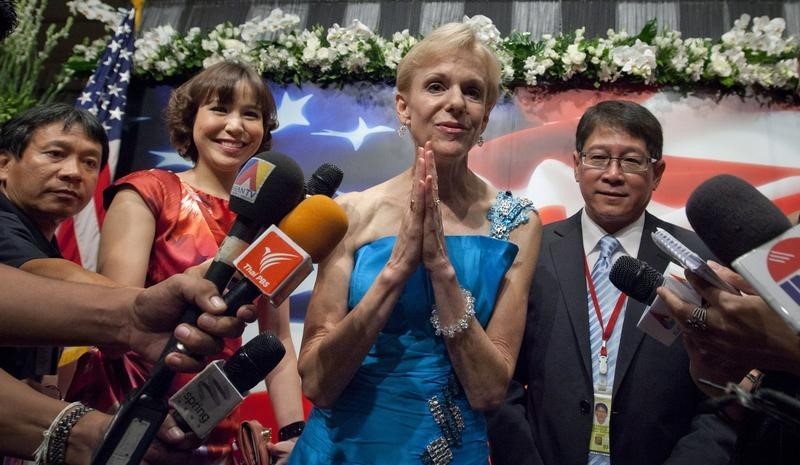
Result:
{"points": [[441, 42]]}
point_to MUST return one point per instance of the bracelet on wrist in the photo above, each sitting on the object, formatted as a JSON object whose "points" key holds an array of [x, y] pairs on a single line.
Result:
{"points": [[53, 449], [460, 325], [292, 430]]}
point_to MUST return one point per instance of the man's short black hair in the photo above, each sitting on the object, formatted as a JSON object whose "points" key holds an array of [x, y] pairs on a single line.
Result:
{"points": [[8, 18], [624, 115], [16, 133]]}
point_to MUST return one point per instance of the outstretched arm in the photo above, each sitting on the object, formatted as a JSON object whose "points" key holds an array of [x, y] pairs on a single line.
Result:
{"points": [[138, 319]]}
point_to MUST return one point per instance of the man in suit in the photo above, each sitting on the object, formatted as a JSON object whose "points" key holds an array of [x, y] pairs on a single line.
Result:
{"points": [[570, 359]]}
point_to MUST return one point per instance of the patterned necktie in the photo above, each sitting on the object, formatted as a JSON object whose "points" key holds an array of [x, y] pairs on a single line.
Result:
{"points": [[607, 296]]}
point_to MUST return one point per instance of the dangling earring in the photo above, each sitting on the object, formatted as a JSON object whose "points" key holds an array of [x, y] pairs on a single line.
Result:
{"points": [[402, 130], [480, 141]]}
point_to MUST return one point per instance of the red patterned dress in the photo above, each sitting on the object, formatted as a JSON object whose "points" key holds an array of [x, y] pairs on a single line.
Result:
{"points": [[190, 226]]}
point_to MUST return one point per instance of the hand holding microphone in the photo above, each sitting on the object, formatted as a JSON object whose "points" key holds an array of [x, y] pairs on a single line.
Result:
{"points": [[319, 224], [217, 390], [737, 223], [267, 187], [746, 230]]}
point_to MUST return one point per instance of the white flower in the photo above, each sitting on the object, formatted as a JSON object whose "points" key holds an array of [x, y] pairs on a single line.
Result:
{"points": [[97, 10], [210, 45], [233, 46], [485, 29], [573, 56], [212, 60], [719, 64], [163, 34], [637, 60]]}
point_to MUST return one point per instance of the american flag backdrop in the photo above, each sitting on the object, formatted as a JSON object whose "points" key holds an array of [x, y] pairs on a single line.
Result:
{"points": [[105, 96]]}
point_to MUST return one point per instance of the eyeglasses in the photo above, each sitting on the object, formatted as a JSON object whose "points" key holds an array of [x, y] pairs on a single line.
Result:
{"points": [[628, 163]]}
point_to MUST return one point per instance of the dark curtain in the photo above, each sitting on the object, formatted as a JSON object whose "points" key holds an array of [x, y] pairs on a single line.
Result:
{"points": [[694, 18]]}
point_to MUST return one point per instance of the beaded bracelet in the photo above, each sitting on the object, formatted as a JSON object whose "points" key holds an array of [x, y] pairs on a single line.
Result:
{"points": [[53, 450], [460, 325], [292, 430]]}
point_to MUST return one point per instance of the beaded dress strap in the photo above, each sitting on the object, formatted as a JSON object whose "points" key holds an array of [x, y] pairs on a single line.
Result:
{"points": [[507, 213]]}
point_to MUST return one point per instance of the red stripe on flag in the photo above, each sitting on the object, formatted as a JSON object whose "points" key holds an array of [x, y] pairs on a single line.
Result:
{"points": [[103, 181], [67, 241]]}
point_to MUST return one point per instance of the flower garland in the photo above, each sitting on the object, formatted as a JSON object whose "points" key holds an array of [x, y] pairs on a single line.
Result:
{"points": [[753, 57]]}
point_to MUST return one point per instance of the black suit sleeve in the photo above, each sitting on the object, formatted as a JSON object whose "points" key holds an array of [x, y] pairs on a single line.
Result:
{"points": [[510, 436]]}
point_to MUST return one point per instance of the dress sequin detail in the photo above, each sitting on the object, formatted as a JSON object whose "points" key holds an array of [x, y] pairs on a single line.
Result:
{"points": [[507, 213]]}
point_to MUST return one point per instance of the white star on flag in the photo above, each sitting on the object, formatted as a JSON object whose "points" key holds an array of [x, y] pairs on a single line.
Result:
{"points": [[290, 112], [78, 237], [357, 136]]}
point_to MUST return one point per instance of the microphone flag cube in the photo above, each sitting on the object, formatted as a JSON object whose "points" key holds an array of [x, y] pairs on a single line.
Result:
{"points": [[206, 400], [275, 264], [774, 270]]}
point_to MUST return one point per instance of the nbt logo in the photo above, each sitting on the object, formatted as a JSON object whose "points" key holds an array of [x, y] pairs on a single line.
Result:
{"points": [[783, 263]]}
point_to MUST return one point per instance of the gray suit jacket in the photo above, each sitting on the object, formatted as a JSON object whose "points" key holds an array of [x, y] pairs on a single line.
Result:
{"points": [[655, 407]]}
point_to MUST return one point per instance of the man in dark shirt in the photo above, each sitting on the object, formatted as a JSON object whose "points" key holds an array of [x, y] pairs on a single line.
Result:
{"points": [[50, 158]]}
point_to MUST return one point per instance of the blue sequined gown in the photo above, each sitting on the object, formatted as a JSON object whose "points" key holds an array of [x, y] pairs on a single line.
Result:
{"points": [[404, 404]]}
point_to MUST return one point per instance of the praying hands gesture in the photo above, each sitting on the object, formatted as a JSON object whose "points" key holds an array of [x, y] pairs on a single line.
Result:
{"points": [[421, 235]]}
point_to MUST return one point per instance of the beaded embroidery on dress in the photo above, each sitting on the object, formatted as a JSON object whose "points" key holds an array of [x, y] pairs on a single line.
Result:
{"points": [[404, 405], [507, 213]]}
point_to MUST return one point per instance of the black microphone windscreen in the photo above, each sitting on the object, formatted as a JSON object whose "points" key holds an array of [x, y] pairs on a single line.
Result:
{"points": [[267, 187], [635, 278], [325, 180], [732, 217], [251, 363]]}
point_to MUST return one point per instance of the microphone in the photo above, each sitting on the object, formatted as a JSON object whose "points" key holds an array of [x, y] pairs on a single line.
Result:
{"points": [[211, 395], [280, 259], [267, 187], [639, 280], [325, 180], [749, 233]]}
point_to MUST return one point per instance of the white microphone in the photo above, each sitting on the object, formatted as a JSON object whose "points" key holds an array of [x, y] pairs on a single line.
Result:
{"points": [[747, 231], [213, 394]]}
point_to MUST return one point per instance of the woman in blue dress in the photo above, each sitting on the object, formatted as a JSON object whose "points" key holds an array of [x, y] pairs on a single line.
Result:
{"points": [[417, 317]]}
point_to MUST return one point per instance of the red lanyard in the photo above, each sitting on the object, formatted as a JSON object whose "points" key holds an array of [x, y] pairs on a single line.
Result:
{"points": [[607, 329]]}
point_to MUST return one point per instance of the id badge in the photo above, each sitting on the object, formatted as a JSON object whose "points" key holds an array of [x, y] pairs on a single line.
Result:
{"points": [[600, 439]]}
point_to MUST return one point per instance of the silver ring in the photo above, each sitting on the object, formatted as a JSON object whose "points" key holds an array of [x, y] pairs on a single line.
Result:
{"points": [[697, 320]]}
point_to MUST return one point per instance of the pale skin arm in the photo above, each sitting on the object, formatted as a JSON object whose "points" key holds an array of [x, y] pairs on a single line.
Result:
{"points": [[484, 361], [336, 341], [128, 233], [283, 382]]}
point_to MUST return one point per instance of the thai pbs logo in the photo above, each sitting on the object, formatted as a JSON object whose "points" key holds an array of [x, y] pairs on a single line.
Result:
{"points": [[783, 263]]}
